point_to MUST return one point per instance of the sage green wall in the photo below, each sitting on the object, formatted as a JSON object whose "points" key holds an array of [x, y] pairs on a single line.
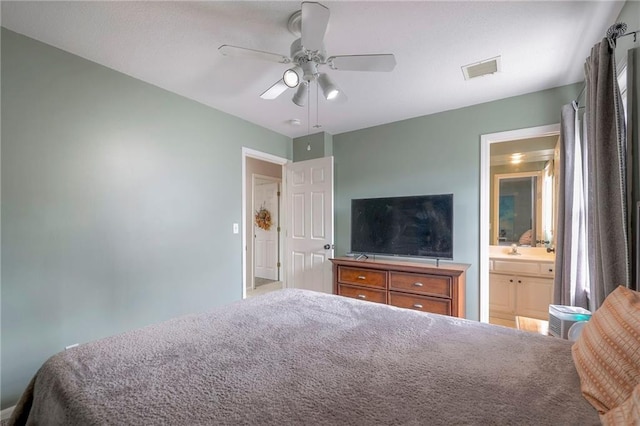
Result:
{"points": [[321, 145], [435, 154], [118, 200], [315, 142], [328, 144]]}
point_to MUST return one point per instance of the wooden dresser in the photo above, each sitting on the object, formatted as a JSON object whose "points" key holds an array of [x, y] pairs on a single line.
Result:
{"points": [[412, 285]]}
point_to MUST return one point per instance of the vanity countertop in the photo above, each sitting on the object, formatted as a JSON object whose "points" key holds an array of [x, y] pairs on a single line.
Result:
{"points": [[530, 254]]}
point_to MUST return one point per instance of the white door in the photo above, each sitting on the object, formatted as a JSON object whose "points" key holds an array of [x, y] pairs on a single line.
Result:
{"points": [[309, 217], [266, 241]]}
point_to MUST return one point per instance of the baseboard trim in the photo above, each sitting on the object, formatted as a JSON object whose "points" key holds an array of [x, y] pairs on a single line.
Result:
{"points": [[6, 413]]}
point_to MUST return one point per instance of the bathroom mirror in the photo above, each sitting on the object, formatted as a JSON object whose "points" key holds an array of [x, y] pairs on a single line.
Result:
{"points": [[518, 208], [523, 192]]}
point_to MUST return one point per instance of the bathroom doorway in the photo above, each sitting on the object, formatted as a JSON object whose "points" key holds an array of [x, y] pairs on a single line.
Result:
{"points": [[516, 151]]}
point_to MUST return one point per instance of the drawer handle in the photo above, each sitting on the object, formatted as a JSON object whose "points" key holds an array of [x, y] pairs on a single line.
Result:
{"points": [[418, 284], [362, 277], [550, 270], [417, 306], [362, 296]]}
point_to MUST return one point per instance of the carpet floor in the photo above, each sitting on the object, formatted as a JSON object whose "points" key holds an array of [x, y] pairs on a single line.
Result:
{"points": [[264, 288]]}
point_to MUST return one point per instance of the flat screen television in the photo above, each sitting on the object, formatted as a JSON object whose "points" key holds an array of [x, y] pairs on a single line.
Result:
{"points": [[414, 226]]}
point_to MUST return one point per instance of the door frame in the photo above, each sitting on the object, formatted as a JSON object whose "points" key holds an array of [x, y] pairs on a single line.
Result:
{"points": [[270, 158], [272, 179], [485, 181]]}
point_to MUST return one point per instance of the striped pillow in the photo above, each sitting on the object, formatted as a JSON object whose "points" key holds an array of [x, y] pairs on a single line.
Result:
{"points": [[607, 353], [626, 413]]}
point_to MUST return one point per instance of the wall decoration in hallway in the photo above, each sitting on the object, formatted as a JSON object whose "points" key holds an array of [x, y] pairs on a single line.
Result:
{"points": [[263, 219]]}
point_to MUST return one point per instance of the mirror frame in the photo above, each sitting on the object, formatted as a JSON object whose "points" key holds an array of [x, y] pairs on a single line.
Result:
{"points": [[496, 204]]}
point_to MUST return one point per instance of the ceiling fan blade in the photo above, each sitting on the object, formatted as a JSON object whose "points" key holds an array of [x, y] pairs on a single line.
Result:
{"points": [[382, 62], [315, 18], [234, 51], [274, 91]]}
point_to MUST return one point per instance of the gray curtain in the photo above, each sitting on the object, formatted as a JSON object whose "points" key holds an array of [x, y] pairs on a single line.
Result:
{"points": [[607, 246], [571, 286], [633, 147]]}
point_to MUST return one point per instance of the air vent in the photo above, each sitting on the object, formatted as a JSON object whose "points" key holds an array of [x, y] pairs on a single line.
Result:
{"points": [[478, 69]]}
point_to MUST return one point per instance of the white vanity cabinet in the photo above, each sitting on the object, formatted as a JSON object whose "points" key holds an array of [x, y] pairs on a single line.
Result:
{"points": [[519, 288], [502, 295], [533, 297]]}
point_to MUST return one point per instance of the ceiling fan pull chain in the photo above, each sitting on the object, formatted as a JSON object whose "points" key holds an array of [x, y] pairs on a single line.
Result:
{"points": [[308, 117], [317, 107]]}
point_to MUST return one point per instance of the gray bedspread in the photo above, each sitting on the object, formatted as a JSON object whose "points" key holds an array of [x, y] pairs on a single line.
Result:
{"points": [[299, 357]]}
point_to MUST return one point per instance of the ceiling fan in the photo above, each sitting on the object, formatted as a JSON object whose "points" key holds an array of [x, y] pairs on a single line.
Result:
{"points": [[308, 55]]}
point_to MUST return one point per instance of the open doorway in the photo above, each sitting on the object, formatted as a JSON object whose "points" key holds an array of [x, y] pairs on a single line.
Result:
{"points": [[262, 258], [266, 250], [490, 229]]}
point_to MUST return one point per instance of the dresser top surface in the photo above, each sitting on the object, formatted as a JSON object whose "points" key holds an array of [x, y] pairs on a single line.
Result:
{"points": [[400, 264]]}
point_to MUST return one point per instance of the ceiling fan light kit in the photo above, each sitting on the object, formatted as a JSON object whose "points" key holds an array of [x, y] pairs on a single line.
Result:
{"points": [[291, 78], [309, 70], [300, 97], [329, 90], [308, 54]]}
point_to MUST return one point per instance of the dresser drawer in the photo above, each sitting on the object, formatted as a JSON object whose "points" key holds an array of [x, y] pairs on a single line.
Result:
{"points": [[421, 283], [420, 303], [365, 277], [371, 295]]}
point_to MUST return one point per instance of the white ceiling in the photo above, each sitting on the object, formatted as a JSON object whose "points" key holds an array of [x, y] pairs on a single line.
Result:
{"points": [[173, 45]]}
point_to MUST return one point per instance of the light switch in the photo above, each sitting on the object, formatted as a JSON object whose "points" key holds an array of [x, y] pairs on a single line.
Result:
{"points": [[235, 228]]}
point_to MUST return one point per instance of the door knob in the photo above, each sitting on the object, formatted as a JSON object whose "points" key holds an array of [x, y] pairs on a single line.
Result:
{"points": [[328, 246]]}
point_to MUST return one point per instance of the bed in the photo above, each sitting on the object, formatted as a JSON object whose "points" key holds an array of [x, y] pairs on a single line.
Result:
{"points": [[300, 357]]}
